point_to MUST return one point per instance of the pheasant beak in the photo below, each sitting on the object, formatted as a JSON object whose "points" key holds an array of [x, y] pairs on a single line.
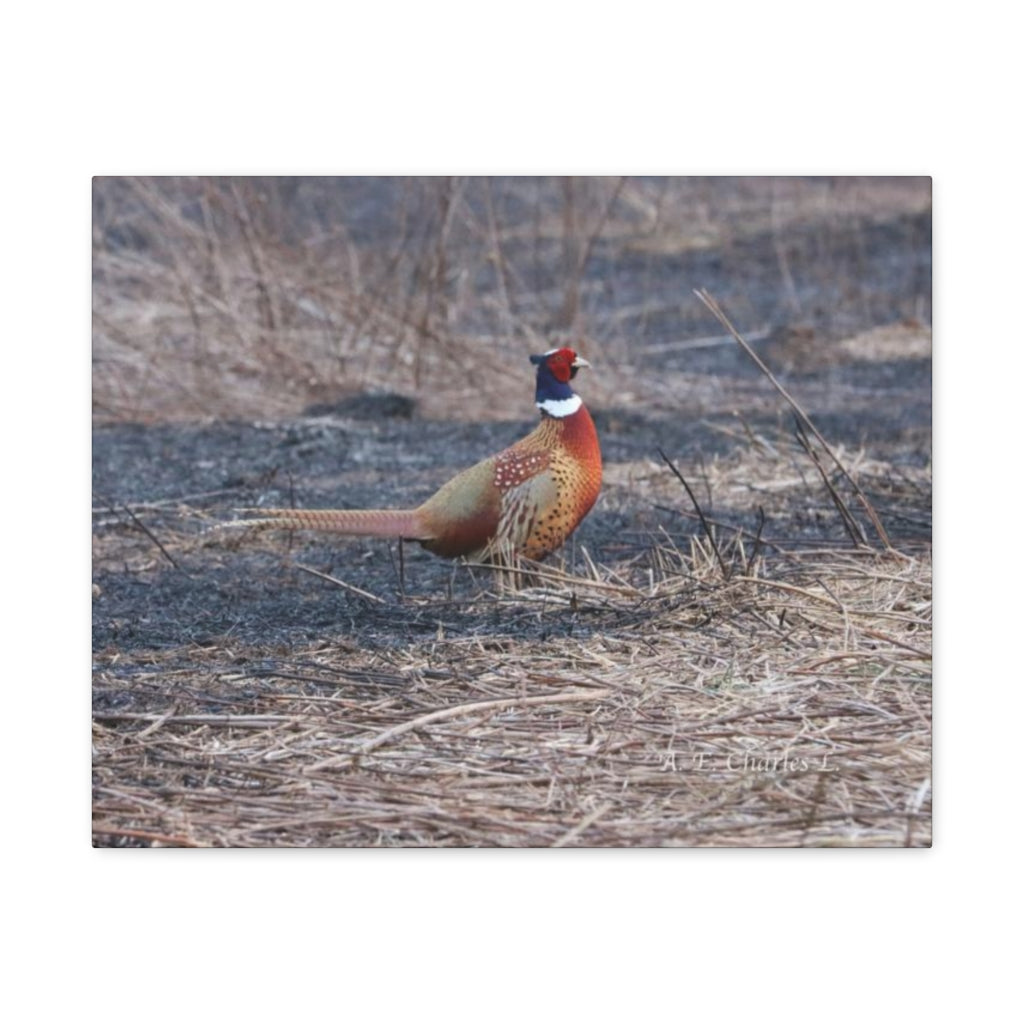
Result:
{"points": [[579, 362]]}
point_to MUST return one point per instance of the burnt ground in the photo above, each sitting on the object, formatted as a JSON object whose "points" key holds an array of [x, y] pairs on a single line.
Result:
{"points": [[169, 485]]}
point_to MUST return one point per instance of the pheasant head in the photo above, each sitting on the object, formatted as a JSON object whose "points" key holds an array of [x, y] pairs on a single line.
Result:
{"points": [[555, 369]]}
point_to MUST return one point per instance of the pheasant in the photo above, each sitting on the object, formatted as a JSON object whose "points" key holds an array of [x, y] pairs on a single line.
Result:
{"points": [[524, 501]]}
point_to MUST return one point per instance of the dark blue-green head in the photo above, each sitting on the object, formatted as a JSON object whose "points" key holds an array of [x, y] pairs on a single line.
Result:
{"points": [[554, 371]]}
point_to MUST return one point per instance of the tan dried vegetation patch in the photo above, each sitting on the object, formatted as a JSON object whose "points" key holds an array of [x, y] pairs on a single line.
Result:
{"points": [[785, 711]]}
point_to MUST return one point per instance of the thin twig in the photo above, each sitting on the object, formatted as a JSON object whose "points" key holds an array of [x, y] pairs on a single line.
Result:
{"points": [[852, 527], [153, 837], [149, 533], [234, 721], [444, 714], [341, 583], [716, 311], [700, 512], [758, 542], [577, 830]]}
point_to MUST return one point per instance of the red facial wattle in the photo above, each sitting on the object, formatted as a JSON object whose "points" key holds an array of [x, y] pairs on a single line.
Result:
{"points": [[560, 363]]}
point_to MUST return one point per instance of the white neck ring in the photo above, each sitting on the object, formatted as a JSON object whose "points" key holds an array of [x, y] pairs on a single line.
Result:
{"points": [[561, 407]]}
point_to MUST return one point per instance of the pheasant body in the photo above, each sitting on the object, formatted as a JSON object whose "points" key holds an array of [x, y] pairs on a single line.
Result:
{"points": [[525, 501]]}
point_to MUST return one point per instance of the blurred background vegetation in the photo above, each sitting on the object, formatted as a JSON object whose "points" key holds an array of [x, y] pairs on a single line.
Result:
{"points": [[258, 297]]}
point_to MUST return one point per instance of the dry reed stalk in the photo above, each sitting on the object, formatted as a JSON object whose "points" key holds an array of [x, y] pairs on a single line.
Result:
{"points": [[716, 311]]}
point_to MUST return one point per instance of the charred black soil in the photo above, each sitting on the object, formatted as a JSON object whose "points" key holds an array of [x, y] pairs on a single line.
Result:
{"points": [[177, 482]]}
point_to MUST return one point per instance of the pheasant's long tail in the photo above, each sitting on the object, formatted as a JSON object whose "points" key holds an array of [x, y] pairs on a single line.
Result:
{"points": [[388, 522]]}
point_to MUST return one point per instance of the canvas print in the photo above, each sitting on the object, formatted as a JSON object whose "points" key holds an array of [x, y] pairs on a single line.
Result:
{"points": [[525, 512]]}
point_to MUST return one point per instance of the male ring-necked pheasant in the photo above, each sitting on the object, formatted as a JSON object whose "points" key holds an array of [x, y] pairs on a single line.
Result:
{"points": [[525, 500]]}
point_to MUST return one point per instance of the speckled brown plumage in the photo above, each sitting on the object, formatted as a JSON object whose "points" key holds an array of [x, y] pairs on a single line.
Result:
{"points": [[524, 501]]}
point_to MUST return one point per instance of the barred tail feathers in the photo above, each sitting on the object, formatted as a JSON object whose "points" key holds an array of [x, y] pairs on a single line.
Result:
{"points": [[354, 522]]}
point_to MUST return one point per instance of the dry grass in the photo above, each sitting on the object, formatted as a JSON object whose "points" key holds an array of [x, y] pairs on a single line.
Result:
{"points": [[790, 710], [258, 297], [892, 342]]}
